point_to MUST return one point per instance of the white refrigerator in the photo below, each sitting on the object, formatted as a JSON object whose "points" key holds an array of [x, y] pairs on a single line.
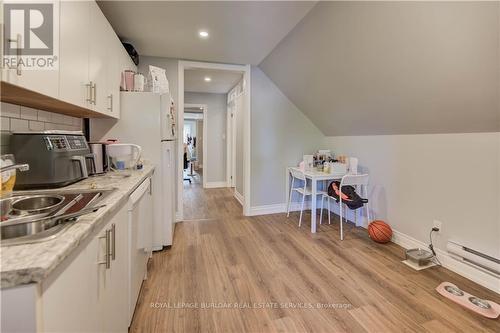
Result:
{"points": [[149, 120]]}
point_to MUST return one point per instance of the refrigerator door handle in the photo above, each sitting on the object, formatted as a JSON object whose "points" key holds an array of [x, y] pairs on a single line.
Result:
{"points": [[168, 158]]}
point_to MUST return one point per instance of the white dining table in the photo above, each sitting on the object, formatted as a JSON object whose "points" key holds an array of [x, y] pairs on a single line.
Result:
{"points": [[314, 176]]}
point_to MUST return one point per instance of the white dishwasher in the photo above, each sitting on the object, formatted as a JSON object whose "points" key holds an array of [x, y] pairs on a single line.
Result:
{"points": [[140, 226]]}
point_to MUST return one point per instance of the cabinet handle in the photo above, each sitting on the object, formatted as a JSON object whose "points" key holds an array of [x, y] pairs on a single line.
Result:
{"points": [[113, 237], [110, 108], [94, 93], [89, 92], [107, 257]]}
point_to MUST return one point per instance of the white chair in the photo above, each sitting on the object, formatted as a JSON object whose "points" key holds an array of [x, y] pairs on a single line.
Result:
{"points": [[360, 183], [304, 190]]}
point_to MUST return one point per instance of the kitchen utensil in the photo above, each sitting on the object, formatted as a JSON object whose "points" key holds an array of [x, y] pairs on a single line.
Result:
{"points": [[36, 204], [68, 205], [49, 219], [123, 155]]}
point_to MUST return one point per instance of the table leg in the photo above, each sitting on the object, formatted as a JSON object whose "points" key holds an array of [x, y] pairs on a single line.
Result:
{"points": [[314, 197]]}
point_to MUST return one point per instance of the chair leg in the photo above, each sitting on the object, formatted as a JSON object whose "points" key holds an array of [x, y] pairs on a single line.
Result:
{"points": [[321, 214], [341, 227], [288, 205], [355, 217], [367, 207], [289, 200], [328, 200], [302, 209]]}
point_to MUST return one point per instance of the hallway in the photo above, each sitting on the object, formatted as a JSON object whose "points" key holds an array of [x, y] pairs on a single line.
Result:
{"points": [[202, 203], [282, 278]]}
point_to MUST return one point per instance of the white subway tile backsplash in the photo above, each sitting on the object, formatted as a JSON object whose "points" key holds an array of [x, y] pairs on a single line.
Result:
{"points": [[36, 125], [29, 113], [10, 110], [5, 123], [67, 120], [19, 124], [20, 118], [57, 118], [44, 116]]}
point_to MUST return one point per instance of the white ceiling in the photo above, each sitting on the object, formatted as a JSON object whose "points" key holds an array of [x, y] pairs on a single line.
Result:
{"points": [[242, 32], [222, 81]]}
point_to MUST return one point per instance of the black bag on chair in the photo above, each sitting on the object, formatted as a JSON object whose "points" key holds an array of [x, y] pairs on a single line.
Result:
{"points": [[349, 195]]}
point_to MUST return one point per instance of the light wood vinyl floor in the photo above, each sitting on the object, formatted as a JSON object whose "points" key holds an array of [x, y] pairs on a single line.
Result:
{"points": [[279, 273]]}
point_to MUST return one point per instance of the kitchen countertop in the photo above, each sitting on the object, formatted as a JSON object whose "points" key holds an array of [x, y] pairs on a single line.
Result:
{"points": [[31, 263]]}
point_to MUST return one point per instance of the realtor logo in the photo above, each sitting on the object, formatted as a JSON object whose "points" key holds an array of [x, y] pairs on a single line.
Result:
{"points": [[31, 35]]}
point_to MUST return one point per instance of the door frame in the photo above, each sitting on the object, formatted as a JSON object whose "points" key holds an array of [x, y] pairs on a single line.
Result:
{"points": [[230, 146], [204, 150], [246, 71]]}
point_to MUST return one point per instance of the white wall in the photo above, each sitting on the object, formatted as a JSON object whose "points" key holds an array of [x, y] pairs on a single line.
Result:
{"points": [[280, 135], [415, 179], [215, 161]]}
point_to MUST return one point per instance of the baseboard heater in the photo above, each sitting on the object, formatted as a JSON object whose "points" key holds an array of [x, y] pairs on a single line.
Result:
{"points": [[473, 257]]}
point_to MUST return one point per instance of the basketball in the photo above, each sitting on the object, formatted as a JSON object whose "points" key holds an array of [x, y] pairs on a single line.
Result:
{"points": [[379, 231]]}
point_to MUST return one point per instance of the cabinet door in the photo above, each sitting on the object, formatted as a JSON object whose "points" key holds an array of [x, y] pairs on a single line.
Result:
{"points": [[114, 74], [98, 57], [70, 295], [74, 52], [113, 281], [42, 81]]}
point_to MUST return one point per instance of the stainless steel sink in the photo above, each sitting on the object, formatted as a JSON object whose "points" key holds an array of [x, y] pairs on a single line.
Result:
{"points": [[35, 216]]}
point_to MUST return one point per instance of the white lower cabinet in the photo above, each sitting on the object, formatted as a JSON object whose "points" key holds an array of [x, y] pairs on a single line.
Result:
{"points": [[96, 288], [89, 294]]}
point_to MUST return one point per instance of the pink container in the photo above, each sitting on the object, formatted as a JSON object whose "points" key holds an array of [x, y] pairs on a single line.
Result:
{"points": [[129, 80]]}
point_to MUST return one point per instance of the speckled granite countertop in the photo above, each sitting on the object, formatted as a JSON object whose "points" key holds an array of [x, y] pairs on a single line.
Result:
{"points": [[30, 263]]}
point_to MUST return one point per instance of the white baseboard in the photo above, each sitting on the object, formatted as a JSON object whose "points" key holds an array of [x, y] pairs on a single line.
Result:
{"points": [[238, 196], [215, 184], [458, 266], [267, 209]]}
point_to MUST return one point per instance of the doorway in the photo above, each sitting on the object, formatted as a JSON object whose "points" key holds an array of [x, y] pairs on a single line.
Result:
{"points": [[194, 139], [222, 135]]}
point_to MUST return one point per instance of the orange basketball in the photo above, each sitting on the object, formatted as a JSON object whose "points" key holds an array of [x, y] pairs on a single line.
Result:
{"points": [[380, 231]]}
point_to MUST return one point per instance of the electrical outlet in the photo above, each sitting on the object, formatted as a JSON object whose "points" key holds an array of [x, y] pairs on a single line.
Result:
{"points": [[439, 225]]}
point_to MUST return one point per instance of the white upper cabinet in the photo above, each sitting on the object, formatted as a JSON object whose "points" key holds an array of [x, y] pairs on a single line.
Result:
{"points": [[91, 59], [99, 58], [39, 80], [117, 54], [74, 53]]}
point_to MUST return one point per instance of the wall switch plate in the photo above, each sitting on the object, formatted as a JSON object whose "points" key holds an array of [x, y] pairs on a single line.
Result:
{"points": [[439, 225]]}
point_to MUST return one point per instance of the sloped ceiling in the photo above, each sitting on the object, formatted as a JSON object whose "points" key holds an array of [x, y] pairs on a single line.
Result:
{"points": [[364, 68]]}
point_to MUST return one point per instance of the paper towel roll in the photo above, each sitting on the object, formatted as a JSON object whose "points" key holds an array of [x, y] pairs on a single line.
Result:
{"points": [[353, 165]]}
